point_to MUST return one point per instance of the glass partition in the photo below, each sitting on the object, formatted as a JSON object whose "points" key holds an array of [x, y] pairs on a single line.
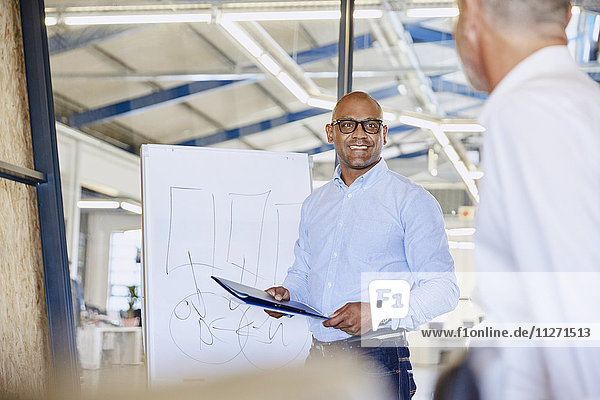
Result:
{"points": [[255, 75]]}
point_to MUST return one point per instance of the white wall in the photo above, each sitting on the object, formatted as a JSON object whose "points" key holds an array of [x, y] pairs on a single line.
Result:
{"points": [[100, 225], [91, 163], [88, 162]]}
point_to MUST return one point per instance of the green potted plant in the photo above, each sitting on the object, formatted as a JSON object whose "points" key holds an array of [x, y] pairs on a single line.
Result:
{"points": [[132, 297]]}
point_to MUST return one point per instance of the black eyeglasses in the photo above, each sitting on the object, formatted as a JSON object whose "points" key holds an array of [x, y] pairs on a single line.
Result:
{"points": [[348, 125]]}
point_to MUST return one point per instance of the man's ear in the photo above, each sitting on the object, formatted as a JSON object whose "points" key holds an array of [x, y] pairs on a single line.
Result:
{"points": [[473, 17], [385, 129], [329, 131]]}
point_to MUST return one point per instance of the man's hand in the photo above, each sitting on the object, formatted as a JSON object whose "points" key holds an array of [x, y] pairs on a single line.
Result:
{"points": [[279, 293], [353, 318]]}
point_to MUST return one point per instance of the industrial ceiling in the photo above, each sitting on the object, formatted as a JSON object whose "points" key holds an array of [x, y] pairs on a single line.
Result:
{"points": [[263, 75]]}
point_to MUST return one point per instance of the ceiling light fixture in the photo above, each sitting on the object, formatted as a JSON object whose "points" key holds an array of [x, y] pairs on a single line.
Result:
{"points": [[460, 127], [435, 12], [133, 232], [242, 37], [451, 154], [100, 188], [204, 17], [263, 58], [98, 204], [321, 103], [440, 136], [460, 231], [433, 126], [389, 116], [270, 64], [390, 152], [402, 89], [418, 122], [134, 208], [50, 21], [432, 162], [297, 15], [461, 245], [124, 19], [476, 174], [292, 86]]}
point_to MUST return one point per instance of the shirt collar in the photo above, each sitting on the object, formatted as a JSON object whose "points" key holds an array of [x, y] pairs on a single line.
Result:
{"points": [[367, 179], [545, 61]]}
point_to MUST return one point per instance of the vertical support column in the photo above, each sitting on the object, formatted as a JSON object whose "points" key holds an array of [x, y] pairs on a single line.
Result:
{"points": [[346, 49], [52, 227], [75, 215]]}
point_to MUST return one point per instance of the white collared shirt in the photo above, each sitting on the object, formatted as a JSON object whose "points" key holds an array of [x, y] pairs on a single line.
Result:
{"points": [[540, 212], [381, 224]]}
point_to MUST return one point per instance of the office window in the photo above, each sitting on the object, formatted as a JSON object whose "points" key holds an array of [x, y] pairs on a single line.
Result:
{"points": [[124, 269]]}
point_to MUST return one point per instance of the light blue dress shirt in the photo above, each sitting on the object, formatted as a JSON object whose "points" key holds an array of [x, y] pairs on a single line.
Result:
{"points": [[382, 223]]}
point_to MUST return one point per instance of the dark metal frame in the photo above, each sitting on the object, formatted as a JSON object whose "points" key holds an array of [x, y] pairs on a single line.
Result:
{"points": [[345, 51], [21, 174], [346, 48], [63, 349]]}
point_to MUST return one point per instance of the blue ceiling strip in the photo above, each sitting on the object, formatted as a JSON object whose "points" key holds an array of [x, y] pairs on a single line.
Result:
{"points": [[385, 93], [419, 153], [440, 85], [421, 34], [331, 50], [261, 126], [321, 149], [399, 129], [138, 104], [84, 37]]}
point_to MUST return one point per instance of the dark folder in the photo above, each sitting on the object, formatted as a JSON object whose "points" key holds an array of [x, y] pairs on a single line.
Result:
{"points": [[260, 298]]}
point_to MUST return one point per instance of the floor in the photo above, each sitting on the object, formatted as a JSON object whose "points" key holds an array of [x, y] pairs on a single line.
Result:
{"points": [[115, 377]]}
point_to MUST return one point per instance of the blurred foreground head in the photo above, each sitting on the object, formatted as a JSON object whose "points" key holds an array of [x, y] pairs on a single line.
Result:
{"points": [[493, 36]]}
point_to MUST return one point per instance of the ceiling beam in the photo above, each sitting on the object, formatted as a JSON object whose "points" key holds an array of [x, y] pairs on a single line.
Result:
{"points": [[74, 39], [91, 35], [257, 127], [321, 53], [174, 95], [421, 34], [180, 93], [267, 124], [190, 76], [438, 84]]}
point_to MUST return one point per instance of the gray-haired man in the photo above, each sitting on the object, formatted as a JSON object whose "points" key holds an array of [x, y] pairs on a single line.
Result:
{"points": [[540, 196]]}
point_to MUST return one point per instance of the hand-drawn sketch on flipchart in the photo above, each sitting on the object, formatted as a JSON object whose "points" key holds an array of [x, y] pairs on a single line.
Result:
{"points": [[229, 213]]}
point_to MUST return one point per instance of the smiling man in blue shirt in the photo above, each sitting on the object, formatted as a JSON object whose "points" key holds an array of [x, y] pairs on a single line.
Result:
{"points": [[368, 219]]}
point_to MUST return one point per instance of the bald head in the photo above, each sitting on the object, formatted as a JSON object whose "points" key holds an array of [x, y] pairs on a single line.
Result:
{"points": [[356, 96]]}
